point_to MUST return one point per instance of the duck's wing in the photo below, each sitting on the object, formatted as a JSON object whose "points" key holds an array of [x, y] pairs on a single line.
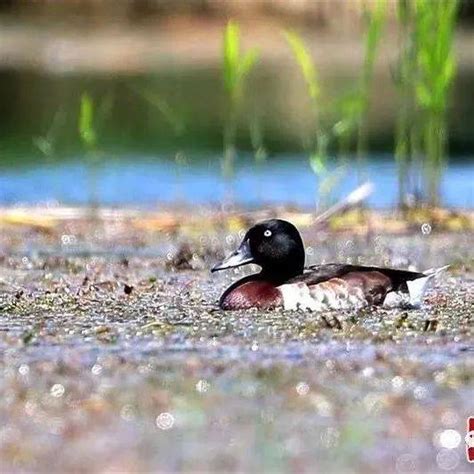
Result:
{"points": [[335, 286], [315, 274]]}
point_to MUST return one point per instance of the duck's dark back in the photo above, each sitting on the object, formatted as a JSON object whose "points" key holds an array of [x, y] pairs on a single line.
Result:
{"points": [[319, 273]]}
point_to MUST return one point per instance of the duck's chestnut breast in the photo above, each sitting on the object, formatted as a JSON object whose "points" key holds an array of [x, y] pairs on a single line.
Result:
{"points": [[250, 293]]}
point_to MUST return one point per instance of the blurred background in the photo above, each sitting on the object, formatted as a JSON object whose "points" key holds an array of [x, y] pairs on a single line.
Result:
{"points": [[252, 102]]}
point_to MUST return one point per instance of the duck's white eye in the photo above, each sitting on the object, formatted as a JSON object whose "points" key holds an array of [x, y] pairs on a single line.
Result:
{"points": [[267, 233]]}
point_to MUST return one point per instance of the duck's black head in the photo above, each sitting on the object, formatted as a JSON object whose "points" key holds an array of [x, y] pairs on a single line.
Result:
{"points": [[275, 245]]}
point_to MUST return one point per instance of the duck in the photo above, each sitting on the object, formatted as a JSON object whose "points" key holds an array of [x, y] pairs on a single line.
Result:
{"points": [[277, 247]]}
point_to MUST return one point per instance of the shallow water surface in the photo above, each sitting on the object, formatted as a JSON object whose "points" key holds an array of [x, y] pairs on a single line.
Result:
{"points": [[113, 363], [145, 181]]}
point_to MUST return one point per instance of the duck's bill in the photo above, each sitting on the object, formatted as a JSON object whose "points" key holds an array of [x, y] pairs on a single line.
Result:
{"points": [[242, 256]]}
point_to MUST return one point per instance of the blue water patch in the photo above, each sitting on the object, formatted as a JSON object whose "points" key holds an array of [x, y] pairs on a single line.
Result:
{"points": [[147, 181]]}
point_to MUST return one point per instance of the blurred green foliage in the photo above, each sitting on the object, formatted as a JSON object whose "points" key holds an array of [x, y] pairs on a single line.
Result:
{"points": [[86, 125], [236, 67], [426, 72], [339, 121]]}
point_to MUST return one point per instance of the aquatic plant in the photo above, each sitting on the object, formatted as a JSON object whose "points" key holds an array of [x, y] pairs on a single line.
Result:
{"points": [[339, 120], [47, 144], [170, 115], [436, 66], [374, 20], [427, 68], [174, 120], [88, 136], [256, 138], [318, 157], [326, 127], [91, 120], [404, 79], [236, 67], [86, 126], [352, 109]]}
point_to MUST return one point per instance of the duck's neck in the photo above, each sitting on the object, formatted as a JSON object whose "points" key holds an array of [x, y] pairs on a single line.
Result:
{"points": [[281, 274]]}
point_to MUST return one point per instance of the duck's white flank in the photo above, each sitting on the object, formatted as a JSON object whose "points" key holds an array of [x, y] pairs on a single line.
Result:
{"points": [[321, 297]]}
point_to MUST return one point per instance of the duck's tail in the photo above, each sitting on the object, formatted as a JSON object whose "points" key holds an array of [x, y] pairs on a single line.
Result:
{"points": [[417, 288]]}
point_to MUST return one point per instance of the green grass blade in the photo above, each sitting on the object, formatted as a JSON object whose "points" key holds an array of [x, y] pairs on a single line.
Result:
{"points": [[86, 117], [173, 119], [231, 55], [305, 62], [248, 62]]}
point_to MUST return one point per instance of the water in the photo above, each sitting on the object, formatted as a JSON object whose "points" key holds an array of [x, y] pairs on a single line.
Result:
{"points": [[147, 181]]}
